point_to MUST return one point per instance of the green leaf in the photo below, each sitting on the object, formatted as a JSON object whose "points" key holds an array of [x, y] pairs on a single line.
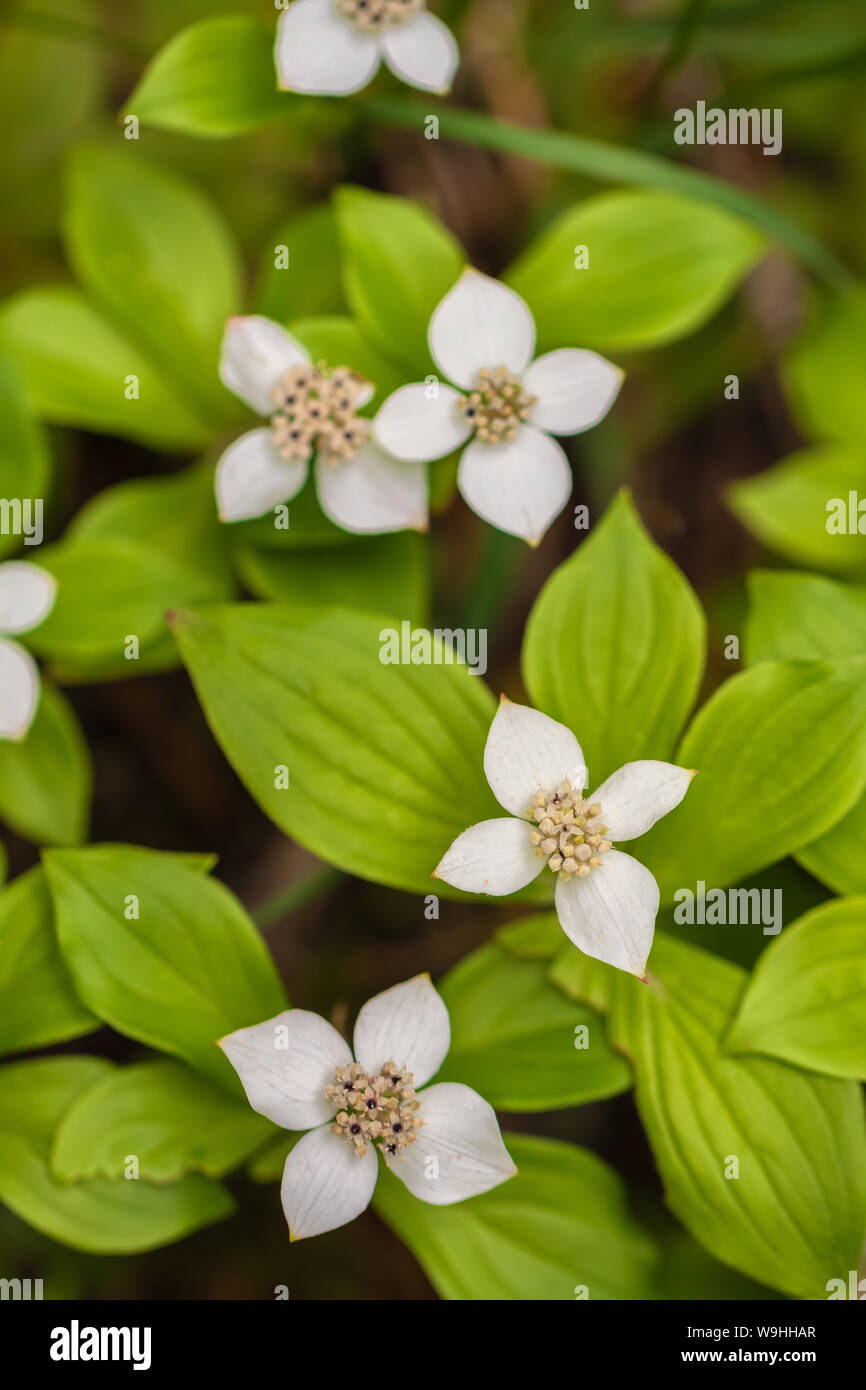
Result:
{"points": [[794, 1216], [793, 615], [806, 1000], [823, 371], [310, 283], [610, 163], [187, 969], [40, 1006], [397, 748], [659, 267], [781, 753], [623, 674], [338, 341], [267, 1165], [25, 465], [536, 937], [158, 259], [46, 780], [171, 1119], [398, 263], [836, 858], [805, 615], [519, 1043], [75, 367], [214, 79], [174, 514], [107, 1218], [561, 1224], [385, 574], [110, 589], [790, 506]]}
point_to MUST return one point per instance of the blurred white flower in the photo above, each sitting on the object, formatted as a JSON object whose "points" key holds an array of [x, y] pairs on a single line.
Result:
{"points": [[513, 474], [334, 47], [606, 901], [313, 412], [27, 595], [442, 1142]]}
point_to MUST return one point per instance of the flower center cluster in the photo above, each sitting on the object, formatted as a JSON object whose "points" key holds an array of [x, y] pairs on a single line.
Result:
{"points": [[373, 16], [380, 1109], [570, 833], [497, 405], [315, 409]]}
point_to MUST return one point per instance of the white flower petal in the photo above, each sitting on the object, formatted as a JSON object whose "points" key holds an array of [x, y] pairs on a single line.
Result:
{"points": [[27, 594], [520, 486], [423, 52], [411, 425], [372, 492], [325, 1183], [252, 477], [611, 913], [480, 323], [495, 857], [19, 690], [461, 1132], [285, 1064], [638, 794], [254, 355], [408, 1025], [528, 752], [575, 389], [317, 50]]}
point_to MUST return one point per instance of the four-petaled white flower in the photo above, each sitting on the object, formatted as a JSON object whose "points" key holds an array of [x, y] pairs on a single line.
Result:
{"points": [[513, 474], [313, 411], [606, 901], [27, 595], [334, 47], [442, 1142]]}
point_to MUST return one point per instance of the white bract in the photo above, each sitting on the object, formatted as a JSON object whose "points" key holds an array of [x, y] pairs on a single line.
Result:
{"points": [[512, 473], [605, 900], [333, 47], [313, 412], [27, 595], [442, 1142]]}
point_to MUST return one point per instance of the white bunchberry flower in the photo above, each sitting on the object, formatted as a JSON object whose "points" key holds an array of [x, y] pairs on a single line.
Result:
{"points": [[443, 1142], [313, 412], [27, 595], [512, 473], [334, 47], [606, 901]]}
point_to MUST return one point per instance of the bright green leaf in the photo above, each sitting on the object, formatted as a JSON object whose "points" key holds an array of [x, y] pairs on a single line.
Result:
{"points": [[781, 755], [45, 781], [561, 1223], [215, 78], [398, 262], [107, 1218], [659, 267], [158, 259], [623, 674], [162, 953], [25, 465], [310, 283], [795, 615], [398, 748], [806, 1001], [793, 1216], [519, 1043], [40, 1005], [790, 507], [824, 372], [77, 369]]}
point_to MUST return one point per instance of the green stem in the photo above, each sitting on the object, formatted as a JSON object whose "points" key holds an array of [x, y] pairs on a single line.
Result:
{"points": [[297, 895], [614, 164]]}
